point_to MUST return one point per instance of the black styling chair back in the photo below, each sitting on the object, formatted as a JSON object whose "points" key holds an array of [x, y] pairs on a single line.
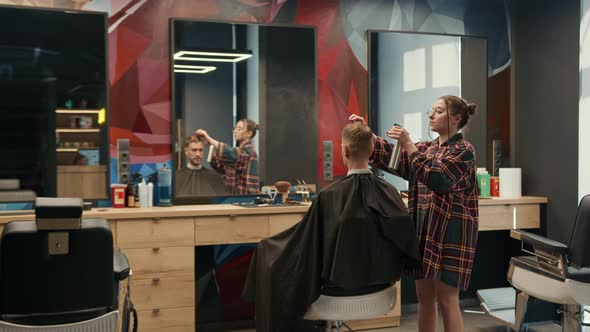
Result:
{"points": [[58, 269], [579, 248]]}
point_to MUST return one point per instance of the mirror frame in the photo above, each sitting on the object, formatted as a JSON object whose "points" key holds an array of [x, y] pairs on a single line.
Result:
{"points": [[104, 139], [177, 145], [373, 111]]}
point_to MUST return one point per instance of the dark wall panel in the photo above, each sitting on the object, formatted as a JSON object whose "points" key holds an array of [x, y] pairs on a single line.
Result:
{"points": [[288, 110], [546, 51]]}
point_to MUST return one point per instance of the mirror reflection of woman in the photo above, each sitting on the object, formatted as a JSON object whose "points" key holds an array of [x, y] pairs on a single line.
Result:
{"points": [[444, 205], [238, 165]]}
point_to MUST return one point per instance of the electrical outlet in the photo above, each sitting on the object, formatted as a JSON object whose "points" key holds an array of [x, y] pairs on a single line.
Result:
{"points": [[327, 153]]}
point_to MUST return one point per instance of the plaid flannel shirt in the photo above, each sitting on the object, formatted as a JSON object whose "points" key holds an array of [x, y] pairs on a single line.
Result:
{"points": [[443, 201], [239, 167]]}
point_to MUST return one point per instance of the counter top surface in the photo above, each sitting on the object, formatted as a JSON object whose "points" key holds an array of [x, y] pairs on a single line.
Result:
{"points": [[227, 209]]}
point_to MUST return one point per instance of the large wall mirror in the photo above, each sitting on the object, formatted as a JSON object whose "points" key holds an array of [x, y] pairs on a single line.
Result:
{"points": [[223, 72], [409, 71], [54, 87]]}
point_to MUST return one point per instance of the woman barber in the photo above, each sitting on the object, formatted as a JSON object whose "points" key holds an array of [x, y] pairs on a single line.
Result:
{"points": [[238, 165], [443, 203]]}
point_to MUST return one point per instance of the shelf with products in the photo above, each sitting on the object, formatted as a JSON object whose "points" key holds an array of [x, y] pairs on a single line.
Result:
{"points": [[78, 136]]}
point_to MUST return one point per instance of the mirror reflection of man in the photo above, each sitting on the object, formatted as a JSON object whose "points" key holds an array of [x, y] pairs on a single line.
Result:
{"points": [[194, 179]]}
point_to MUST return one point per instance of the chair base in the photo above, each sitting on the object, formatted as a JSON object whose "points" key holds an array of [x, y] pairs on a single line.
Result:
{"points": [[340, 308], [105, 323]]}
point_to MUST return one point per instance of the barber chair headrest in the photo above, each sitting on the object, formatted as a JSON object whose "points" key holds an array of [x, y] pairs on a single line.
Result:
{"points": [[58, 213]]}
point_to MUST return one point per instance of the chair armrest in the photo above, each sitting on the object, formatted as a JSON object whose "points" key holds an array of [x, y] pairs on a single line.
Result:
{"points": [[540, 242], [120, 265]]}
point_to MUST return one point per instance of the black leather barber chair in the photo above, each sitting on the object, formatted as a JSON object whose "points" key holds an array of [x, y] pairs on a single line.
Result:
{"points": [[59, 272], [555, 273]]}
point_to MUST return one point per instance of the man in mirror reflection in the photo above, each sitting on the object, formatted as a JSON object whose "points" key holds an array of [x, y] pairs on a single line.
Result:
{"points": [[356, 238], [194, 179], [443, 202], [238, 165]]}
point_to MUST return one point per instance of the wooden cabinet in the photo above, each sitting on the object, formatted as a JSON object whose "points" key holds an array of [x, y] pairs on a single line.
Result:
{"points": [[160, 245], [231, 229], [161, 253]]}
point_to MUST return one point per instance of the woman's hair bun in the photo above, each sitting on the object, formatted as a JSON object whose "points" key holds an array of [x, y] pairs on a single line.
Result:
{"points": [[471, 108]]}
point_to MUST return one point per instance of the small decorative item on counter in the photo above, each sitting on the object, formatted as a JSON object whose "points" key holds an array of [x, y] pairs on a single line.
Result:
{"points": [[483, 182], [118, 195], [283, 187], [131, 194], [495, 186]]}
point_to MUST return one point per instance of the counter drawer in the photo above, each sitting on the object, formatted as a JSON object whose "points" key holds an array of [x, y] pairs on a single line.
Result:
{"points": [[509, 216], [155, 232], [162, 293], [162, 262], [281, 222], [230, 229], [177, 319]]}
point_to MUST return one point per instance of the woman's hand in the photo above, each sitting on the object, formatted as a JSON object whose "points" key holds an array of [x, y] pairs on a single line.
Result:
{"points": [[355, 117], [399, 133], [210, 140], [203, 133]]}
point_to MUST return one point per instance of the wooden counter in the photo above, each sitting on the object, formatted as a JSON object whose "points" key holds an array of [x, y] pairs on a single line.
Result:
{"points": [[160, 241]]}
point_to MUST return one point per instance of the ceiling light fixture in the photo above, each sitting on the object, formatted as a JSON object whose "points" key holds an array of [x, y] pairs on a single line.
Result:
{"points": [[193, 69], [212, 56]]}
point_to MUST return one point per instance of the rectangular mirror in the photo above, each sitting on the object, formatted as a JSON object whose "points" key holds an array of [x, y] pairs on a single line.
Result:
{"points": [[409, 71], [223, 72], [53, 78]]}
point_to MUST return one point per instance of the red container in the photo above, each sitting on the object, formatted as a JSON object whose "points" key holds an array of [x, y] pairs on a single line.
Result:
{"points": [[495, 186], [118, 195]]}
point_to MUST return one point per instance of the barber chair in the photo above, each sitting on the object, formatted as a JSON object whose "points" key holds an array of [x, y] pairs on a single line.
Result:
{"points": [[335, 306], [59, 272], [556, 273]]}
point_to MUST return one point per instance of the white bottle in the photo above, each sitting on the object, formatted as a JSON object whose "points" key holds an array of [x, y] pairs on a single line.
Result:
{"points": [[150, 194], [142, 194]]}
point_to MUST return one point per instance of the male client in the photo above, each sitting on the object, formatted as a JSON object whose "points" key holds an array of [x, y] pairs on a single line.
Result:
{"points": [[356, 238], [194, 179]]}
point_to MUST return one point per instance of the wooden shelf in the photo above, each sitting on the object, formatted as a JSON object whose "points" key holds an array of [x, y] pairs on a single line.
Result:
{"points": [[75, 149], [77, 130], [68, 111]]}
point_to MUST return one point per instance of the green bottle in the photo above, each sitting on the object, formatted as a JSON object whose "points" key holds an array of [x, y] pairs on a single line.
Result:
{"points": [[483, 182]]}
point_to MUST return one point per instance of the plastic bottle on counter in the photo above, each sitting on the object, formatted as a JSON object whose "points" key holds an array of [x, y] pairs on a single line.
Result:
{"points": [[483, 182], [150, 194], [165, 186], [143, 200]]}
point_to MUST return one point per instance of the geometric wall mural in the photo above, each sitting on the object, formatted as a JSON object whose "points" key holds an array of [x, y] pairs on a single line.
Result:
{"points": [[140, 102]]}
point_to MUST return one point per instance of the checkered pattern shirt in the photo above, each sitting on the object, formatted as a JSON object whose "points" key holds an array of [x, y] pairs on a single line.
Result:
{"points": [[239, 167], [443, 201]]}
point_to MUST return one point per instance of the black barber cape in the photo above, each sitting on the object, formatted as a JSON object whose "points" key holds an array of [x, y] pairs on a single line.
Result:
{"points": [[356, 233], [199, 182]]}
